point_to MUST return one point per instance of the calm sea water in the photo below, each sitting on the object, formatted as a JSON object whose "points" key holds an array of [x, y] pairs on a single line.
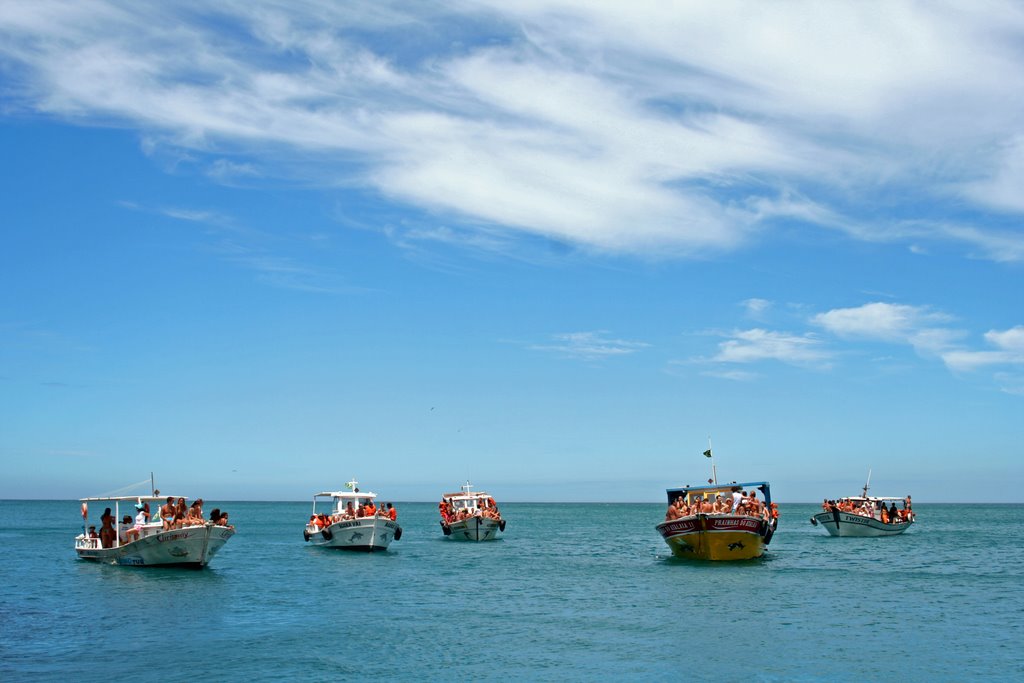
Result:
{"points": [[572, 592]]}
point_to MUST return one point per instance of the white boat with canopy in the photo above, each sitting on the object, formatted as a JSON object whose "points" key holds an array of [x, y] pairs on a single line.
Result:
{"points": [[470, 515], [352, 522], [865, 516], [145, 543]]}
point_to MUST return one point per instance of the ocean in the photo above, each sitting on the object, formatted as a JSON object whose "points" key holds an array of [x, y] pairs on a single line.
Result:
{"points": [[583, 592]]}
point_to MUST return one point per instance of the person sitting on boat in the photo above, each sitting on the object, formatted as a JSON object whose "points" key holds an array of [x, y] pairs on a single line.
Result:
{"points": [[222, 520], [167, 513], [92, 532], [141, 517], [908, 508], [122, 529], [753, 505], [370, 510], [195, 511], [392, 512], [214, 515]]}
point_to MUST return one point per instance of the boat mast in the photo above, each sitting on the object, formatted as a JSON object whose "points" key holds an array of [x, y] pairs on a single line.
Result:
{"points": [[710, 454], [866, 484]]}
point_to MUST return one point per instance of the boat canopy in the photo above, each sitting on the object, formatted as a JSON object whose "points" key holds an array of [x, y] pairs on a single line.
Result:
{"points": [[134, 499], [462, 495], [724, 489], [345, 495], [874, 499]]}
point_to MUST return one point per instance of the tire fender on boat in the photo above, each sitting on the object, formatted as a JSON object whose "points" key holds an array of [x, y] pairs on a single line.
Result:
{"points": [[501, 524], [326, 533], [446, 529], [398, 534], [305, 534], [814, 521]]}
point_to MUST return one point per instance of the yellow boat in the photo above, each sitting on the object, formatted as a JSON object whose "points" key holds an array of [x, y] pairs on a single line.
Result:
{"points": [[732, 535]]}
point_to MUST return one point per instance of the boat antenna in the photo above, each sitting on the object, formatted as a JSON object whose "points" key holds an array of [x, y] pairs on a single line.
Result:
{"points": [[152, 485], [708, 453], [866, 484]]}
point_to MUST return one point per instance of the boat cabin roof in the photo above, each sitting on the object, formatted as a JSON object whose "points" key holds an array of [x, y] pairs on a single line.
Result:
{"points": [[873, 499], [462, 495], [133, 499], [344, 495], [761, 486]]}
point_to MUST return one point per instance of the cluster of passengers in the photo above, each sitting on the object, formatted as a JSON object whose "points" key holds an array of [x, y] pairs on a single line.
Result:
{"points": [[485, 507], [866, 508], [352, 511], [172, 515], [739, 503]]}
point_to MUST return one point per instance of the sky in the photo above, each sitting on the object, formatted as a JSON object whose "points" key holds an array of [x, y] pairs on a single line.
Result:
{"points": [[261, 248]]}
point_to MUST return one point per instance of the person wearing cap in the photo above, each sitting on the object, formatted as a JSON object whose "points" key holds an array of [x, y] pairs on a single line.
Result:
{"points": [[140, 519]]}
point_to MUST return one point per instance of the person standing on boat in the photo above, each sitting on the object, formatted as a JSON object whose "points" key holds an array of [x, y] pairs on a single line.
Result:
{"points": [[107, 532], [737, 498]]}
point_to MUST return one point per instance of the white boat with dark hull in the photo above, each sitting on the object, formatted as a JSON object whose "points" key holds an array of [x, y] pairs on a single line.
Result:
{"points": [[189, 546], [470, 515], [862, 515], [346, 527]]}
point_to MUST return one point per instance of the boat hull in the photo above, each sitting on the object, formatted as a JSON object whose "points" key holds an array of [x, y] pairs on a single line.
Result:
{"points": [[365, 534], [848, 524], [724, 537], [474, 529], [189, 547]]}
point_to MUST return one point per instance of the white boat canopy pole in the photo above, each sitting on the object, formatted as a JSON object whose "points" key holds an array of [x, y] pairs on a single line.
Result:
{"points": [[868, 482]]}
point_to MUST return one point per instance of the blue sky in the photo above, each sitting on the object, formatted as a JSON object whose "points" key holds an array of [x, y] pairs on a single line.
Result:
{"points": [[549, 247]]}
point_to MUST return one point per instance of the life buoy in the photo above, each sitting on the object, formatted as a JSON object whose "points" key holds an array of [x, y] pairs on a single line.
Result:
{"points": [[501, 524], [398, 534], [446, 529], [305, 534], [326, 533]]}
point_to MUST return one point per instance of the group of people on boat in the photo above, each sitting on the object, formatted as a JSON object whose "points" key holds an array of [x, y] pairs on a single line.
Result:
{"points": [[351, 511], [739, 503], [172, 515], [867, 508], [485, 507], [178, 515]]}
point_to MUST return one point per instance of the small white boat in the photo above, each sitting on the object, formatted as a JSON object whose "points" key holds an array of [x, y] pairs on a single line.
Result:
{"points": [[354, 522], [862, 515], [470, 515], [149, 544]]}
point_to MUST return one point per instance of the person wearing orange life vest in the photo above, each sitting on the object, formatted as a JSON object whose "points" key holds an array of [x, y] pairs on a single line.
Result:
{"points": [[392, 512]]}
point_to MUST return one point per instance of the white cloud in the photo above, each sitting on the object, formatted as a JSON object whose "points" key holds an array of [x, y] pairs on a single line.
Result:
{"points": [[1012, 339], [896, 323], [635, 128], [749, 346], [756, 307], [1010, 351], [589, 345]]}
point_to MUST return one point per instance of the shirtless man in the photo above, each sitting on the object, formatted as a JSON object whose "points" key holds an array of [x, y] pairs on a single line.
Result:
{"points": [[167, 513]]}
